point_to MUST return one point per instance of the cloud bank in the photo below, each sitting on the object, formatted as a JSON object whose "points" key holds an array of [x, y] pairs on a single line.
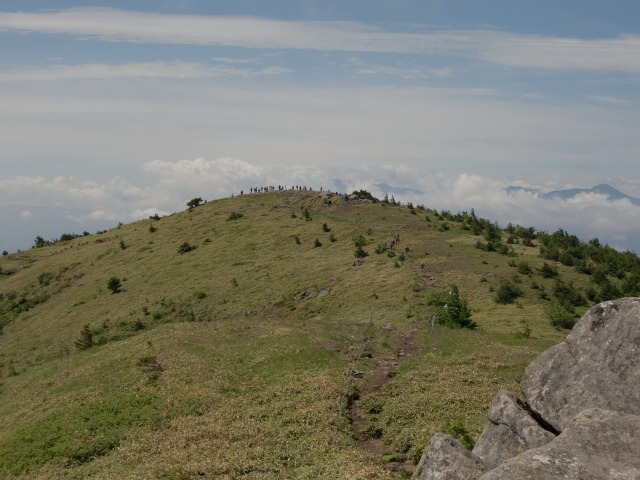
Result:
{"points": [[502, 48], [50, 207]]}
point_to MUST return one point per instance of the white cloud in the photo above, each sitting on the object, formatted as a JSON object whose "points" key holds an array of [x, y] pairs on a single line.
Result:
{"points": [[89, 204], [608, 100], [437, 129], [159, 69], [26, 215], [554, 53]]}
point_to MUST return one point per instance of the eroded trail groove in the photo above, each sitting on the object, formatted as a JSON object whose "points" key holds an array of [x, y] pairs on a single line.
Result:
{"points": [[365, 432]]}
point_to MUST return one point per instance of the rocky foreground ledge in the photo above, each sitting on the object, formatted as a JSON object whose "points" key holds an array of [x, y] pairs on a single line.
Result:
{"points": [[579, 417]]}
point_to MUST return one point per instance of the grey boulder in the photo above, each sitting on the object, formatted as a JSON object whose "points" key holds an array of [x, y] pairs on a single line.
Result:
{"points": [[446, 459], [509, 431], [597, 365], [596, 444]]}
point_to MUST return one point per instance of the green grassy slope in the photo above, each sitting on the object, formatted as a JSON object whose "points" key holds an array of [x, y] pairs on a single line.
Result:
{"points": [[243, 357]]}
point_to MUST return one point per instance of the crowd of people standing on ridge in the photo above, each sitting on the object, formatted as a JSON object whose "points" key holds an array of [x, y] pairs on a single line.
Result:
{"points": [[279, 188]]}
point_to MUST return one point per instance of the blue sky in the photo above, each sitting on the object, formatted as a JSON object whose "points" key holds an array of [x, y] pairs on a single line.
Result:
{"points": [[112, 111]]}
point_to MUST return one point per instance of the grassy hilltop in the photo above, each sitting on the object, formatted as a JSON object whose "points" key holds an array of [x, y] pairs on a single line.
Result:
{"points": [[247, 340]]}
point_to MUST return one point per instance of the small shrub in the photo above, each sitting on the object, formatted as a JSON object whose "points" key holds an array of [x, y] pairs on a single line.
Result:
{"points": [[359, 241], [507, 292], [451, 310], [317, 243], [463, 435], [548, 271], [234, 216], [114, 284], [560, 317], [185, 247], [325, 228], [133, 326], [360, 252], [297, 239], [372, 431], [45, 278], [152, 229], [332, 238], [86, 338], [307, 214], [123, 245], [200, 295]]}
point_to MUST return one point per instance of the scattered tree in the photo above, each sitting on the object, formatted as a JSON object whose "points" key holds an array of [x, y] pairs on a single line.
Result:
{"points": [[451, 310], [194, 202], [40, 242], [114, 284], [86, 338], [507, 292], [548, 271], [359, 240]]}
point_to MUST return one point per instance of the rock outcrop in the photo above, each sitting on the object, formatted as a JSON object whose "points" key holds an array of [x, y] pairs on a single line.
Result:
{"points": [[510, 430], [597, 365], [596, 444], [580, 417], [447, 459]]}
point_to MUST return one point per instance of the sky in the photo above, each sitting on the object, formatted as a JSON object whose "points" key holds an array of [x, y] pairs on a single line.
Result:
{"points": [[115, 111]]}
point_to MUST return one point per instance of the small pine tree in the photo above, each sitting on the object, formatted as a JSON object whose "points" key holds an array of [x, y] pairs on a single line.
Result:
{"points": [[86, 338], [325, 228], [452, 311], [114, 284], [317, 243], [359, 240], [306, 214], [332, 238], [507, 292]]}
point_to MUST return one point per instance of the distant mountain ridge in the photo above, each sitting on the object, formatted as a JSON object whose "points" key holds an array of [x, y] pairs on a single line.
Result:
{"points": [[603, 189]]}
